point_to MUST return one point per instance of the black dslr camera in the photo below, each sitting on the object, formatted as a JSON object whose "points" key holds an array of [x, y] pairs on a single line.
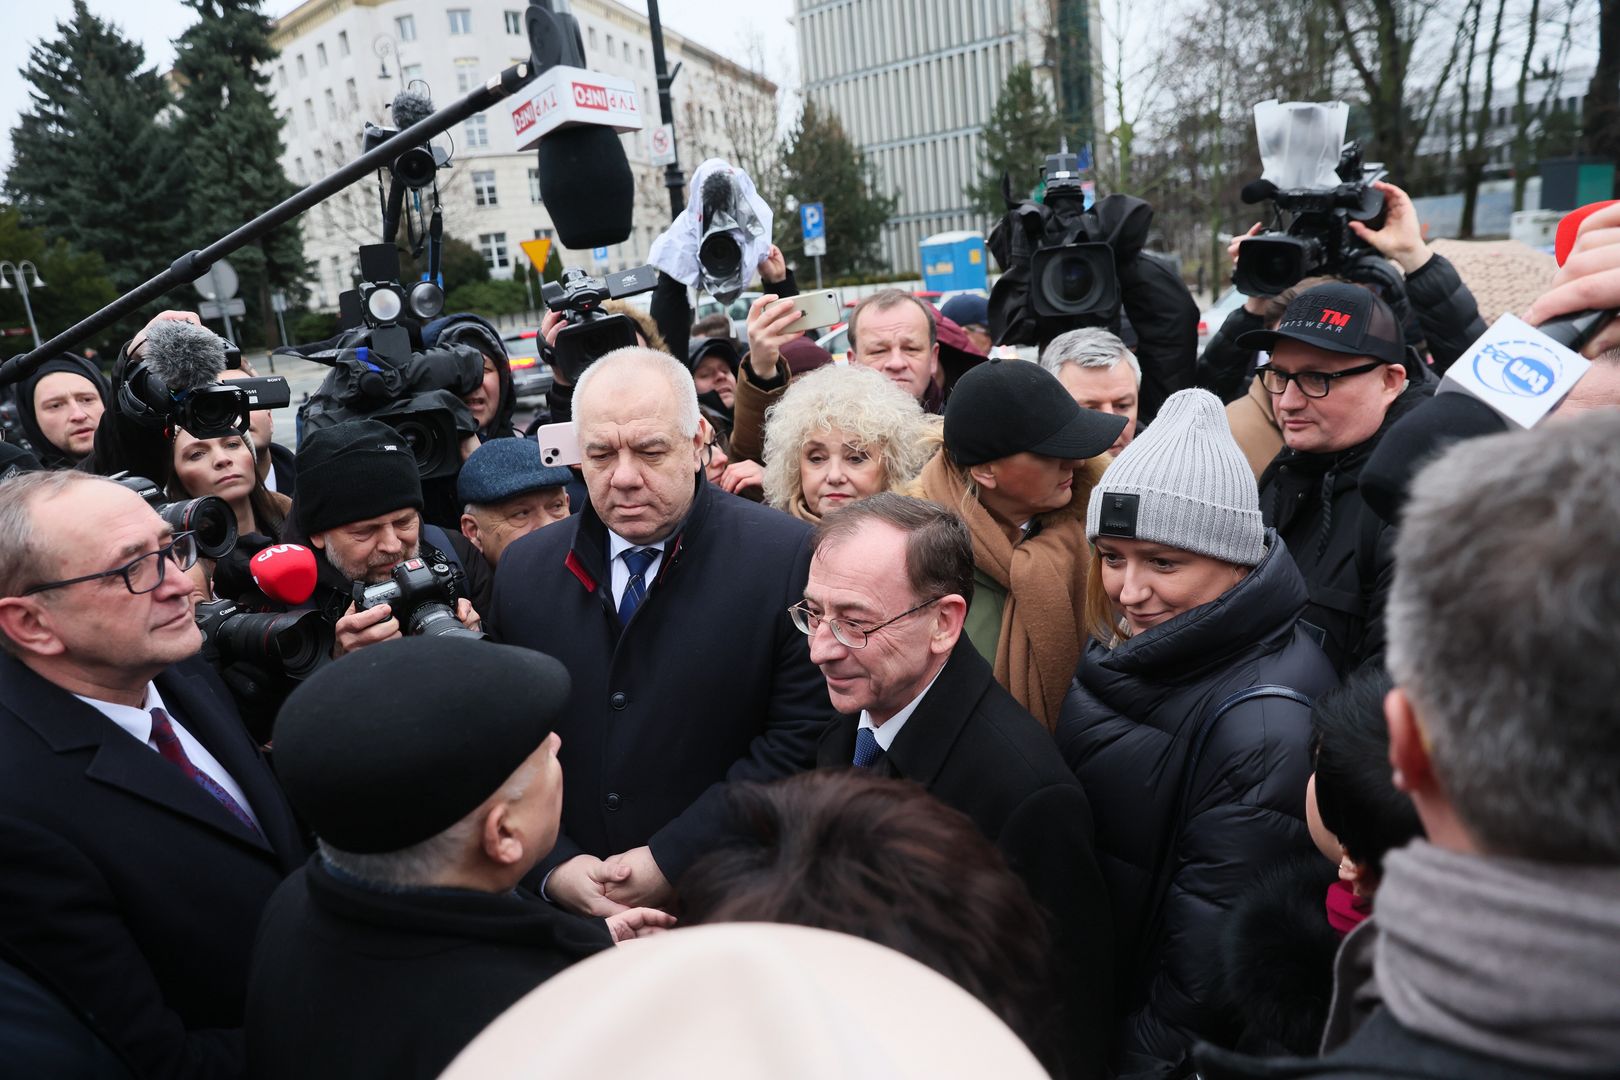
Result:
{"points": [[210, 517], [422, 596], [293, 643], [590, 333], [1317, 239]]}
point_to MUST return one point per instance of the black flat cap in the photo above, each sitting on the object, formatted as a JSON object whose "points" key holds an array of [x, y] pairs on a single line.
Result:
{"points": [[396, 742]]}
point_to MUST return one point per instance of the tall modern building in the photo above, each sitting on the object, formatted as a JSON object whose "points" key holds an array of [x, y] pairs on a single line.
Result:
{"points": [[341, 62], [914, 82]]}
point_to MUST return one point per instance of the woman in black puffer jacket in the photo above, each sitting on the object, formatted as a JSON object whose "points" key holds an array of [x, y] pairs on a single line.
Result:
{"points": [[1188, 721]]}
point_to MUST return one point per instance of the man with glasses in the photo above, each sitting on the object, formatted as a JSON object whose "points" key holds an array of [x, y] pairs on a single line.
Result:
{"points": [[888, 591], [140, 830], [1338, 379]]}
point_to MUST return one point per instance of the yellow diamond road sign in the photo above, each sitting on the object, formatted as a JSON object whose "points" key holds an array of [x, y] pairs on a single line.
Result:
{"points": [[538, 252]]}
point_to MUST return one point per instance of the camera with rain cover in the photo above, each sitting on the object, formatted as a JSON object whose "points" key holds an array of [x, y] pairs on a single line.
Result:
{"points": [[210, 518], [590, 333], [421, 595], [1321, 184]]}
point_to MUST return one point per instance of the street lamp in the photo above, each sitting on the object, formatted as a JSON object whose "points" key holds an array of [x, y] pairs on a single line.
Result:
{"points": [[5, 283], [384, 47]]}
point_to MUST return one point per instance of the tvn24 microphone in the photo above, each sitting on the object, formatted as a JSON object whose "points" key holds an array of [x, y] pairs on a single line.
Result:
{"points": [[285, 573]]}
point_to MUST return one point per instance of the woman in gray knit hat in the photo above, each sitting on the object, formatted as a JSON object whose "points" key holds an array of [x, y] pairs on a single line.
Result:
{"points": [[1188, 721]]}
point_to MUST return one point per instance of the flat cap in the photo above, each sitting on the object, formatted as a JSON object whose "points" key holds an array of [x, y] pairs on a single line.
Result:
{"points": [[394, 743], [502, 468]]}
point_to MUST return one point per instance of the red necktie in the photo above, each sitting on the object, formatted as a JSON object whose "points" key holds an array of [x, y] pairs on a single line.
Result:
{"points": [[168, 744]]}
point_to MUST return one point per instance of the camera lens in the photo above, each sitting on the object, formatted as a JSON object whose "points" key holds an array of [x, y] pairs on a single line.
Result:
{"points": [[294, 642], [1074, 280], [437, 620], [415, 167], [210, 517]]}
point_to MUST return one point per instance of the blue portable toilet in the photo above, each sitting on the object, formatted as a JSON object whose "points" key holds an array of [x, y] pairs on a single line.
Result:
{"points": [[954, 262]]}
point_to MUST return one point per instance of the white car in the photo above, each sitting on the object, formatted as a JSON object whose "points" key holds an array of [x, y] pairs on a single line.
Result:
{"points": [[1212, 318]]}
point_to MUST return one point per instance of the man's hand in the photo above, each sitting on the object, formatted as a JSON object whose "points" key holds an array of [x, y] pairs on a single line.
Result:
{"points": [[638, 922], [550, 323], [741, 476], [468, 615], [1589, 278], [358, 629], [1401, 238], [773, 267], [766, 318], [580, 885], [138, 342], [644, 884]]}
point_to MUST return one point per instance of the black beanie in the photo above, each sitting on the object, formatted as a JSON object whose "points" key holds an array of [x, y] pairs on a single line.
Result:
{"points": [[50, 455], [353, 471], [396, 742]]}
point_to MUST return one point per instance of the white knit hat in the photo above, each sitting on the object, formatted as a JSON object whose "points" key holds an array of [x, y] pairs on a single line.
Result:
{"points": [[1183, 482]]}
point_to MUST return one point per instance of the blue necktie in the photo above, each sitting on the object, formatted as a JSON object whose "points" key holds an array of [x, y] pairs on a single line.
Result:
{"points": [[635, 591], [866, 748]]}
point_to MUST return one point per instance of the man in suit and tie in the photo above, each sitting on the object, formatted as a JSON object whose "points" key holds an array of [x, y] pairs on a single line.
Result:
{"points": [[155, 831], [887, 593]]}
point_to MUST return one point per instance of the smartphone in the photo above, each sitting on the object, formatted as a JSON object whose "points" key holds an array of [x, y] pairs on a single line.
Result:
{"points": [[559, 444], [820, 309]]}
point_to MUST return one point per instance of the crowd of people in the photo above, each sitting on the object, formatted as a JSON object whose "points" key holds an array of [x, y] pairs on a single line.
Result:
{"points": [[1258, 726]]}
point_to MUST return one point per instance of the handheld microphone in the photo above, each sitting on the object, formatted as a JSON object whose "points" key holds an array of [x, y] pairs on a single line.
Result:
{"points": [[285, 573], [1258, 191], [585, 182], [183, 356]]}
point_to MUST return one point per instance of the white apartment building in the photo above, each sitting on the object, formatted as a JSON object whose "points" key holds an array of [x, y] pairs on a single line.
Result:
{"points": [[914, 82], [341, 62]]}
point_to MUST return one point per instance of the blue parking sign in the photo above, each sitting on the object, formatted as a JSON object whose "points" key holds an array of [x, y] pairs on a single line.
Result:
{"points": [[813, 221]]}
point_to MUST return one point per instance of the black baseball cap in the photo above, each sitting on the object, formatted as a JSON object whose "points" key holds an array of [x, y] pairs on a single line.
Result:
{"points": [[1005, 407], [1337, 317]]}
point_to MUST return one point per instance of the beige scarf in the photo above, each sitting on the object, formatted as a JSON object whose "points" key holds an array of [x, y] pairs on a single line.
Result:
{"points": [[1042, 623]]}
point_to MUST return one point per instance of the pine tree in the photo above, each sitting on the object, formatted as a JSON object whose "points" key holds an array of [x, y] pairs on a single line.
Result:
{"points": [[820, 164], [232, 147], [93, 165], [76, 284], [1022, 130]]}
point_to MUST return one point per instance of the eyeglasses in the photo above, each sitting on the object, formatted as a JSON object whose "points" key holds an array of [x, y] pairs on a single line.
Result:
{"points": [[848, 634], [1313, 384], [142, 574]]}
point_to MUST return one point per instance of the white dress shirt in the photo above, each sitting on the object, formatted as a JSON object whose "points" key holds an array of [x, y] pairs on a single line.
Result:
{"points": [[138, 722], [889, 730], [617, 546]]}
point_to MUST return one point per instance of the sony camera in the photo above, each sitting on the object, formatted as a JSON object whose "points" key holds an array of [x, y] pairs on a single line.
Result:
{"points": [[589, 332], [210, 517], [421, 595], [176, 384], [291, 643], [1317, 239]]}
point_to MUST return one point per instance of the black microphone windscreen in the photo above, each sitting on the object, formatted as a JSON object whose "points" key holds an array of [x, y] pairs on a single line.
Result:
{"points": [[1258, 191], [183, 355], [1417, 439], [409, 107], [715, 195], [585, 183]]}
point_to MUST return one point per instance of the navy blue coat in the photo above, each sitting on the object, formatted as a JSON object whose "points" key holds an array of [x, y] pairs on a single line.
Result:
{"points": [[1126, 728], [132, 893], [710, 682]]}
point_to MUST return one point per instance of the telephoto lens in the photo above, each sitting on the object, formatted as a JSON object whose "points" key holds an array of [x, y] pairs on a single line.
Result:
{"points": [[210, 517]]}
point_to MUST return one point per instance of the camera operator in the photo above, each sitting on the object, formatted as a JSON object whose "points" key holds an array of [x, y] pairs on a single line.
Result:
{"points": [[560, 398], [359, 504], [59, 408], [275, 463], [492, 401], [1442, 307]]}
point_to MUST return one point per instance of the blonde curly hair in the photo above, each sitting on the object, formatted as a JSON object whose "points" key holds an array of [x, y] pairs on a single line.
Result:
{"points": [[876, 415]]}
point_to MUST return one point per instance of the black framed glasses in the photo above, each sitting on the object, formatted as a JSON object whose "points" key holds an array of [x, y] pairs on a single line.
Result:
{"points": [[141, 574], [1313, 384], [848, 634]]}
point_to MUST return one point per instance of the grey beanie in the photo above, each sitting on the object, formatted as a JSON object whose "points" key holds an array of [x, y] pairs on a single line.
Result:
{"points": [[1184, 483]]}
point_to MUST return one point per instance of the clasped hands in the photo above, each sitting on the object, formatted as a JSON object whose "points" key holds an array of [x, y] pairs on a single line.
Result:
{"points": [[624, 889]]}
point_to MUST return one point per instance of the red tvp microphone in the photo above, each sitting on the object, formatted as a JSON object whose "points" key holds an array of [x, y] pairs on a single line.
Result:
{"points": [[285, 573]]}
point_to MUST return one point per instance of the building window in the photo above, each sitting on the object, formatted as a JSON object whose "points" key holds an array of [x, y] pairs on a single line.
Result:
{"points": [[627, 52], [320, 55], [405, 25], [460, 20], [343, 43], [281, 74], [288, 119], [477, 132], [331, 104], [303, 68], [320, 163], [590, 36], [298, 170], [534, 186], [412, 72], [353, 93], [484, 188], [309, 112], [514, 22], [641, 57], [466, 74], [493, 247]]}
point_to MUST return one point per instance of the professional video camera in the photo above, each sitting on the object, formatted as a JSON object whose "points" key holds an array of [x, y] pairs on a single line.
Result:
{"points": [[210, 517], [176, 383], [1320, 181], [421, 596], [290, 643], [590, 333]]}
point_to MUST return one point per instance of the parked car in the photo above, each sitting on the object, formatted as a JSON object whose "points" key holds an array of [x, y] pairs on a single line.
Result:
{"points": [[531, 376], [1216, 314]]}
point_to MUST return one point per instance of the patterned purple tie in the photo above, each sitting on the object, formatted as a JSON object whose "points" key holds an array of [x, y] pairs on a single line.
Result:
{"points": [[168, 744]]}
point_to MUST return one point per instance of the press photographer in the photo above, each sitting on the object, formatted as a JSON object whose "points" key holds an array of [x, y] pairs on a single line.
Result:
{"points": [[383, 572], [1066, 267]]}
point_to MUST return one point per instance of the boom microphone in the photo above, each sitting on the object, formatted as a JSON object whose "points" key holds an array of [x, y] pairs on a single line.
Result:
{"points": [[1256, 191], [285, 573], [585, 183], [410, 107], [183, 355]]}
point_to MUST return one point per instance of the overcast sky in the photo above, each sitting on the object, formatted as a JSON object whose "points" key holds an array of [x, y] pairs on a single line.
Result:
{"points": [[727, 26]]}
